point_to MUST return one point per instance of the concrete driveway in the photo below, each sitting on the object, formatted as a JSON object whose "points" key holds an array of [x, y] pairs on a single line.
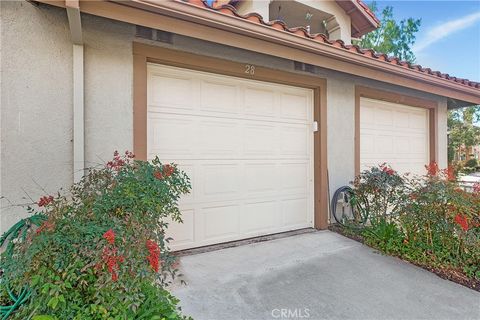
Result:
{"points": [[318, 275]]}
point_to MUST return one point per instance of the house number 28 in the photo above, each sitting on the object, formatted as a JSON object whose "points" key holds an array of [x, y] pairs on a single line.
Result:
{"points": [[250, 69]]}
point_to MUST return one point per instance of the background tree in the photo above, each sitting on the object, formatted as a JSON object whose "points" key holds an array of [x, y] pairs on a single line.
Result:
{"points": [[392, 37], [463, 133]]}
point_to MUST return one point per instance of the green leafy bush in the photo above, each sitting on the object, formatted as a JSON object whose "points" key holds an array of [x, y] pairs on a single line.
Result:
{"points": [[470, 166], [428, 220], [472, 163], [102, 251], [379, 191]]}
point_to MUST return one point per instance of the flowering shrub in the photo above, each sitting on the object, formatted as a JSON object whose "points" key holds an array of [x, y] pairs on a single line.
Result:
{"points": [[379, 191], [441, 222], [428, 220], [102, 251]]}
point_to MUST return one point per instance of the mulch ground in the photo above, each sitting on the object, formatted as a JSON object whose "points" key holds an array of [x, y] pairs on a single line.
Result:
{"points": [[451, 274]]}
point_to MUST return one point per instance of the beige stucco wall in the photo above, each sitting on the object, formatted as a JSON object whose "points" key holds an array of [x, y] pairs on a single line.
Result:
{"points": [[108, 88], [36, 105], [36, 99]]}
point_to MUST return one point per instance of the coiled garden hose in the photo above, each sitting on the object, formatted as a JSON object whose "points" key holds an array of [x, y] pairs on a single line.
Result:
{"points": [[17, 233], [358, 206]]}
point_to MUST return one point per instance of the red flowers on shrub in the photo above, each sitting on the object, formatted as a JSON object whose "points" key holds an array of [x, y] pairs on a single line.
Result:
{"points": [[46, 226], [118, 161], [154, 255], [476, 187], [432, 169], [167, 171], [112, 261], [45, 200], [462, 221], [129, 154], [109, 236], [388, 170], [109, 255], [158, 175], [450, 173]]}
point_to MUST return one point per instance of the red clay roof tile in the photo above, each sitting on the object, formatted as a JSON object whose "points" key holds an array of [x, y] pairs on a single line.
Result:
{"points": [[302, 32]]}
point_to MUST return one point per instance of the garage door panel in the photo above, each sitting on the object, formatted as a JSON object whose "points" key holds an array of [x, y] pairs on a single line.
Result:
{"points": [[294, 141], [418, 146], [218, 138], [248, 149], [402, 120], [220, 179], [384, 144], [402, 145], [417, 121], [170, 136], [294, 177], [220, 222], [259, 217], [218, 97], [294, 211], [259, 102], [261, 177], [260, 140], [394, 134], [367, 120], [184, 232], [170, 91], [294, 106]]}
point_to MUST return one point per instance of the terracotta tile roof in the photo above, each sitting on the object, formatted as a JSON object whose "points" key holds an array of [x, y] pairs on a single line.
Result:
{"points": [[302, 32]]}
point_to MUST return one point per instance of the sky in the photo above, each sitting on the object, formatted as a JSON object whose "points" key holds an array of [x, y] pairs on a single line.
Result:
{"points": [[449, 36]]}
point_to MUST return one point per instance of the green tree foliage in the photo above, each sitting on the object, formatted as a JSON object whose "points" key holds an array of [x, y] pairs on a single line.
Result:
{"points": [[462, 129], [392, 37]]}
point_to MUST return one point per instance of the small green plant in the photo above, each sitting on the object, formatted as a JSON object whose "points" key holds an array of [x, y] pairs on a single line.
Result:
{"points": [[102, 253], [384, 235]]}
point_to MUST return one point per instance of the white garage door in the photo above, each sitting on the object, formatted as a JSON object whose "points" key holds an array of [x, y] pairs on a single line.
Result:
{"points": [[247, 147], [395, 134]]}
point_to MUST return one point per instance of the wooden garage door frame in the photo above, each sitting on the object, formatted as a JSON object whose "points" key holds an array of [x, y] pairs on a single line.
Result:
{"points": [[388, 96], [143, 53]]}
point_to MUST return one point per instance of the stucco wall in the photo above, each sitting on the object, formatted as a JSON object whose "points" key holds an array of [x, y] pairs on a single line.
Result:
{"points": [[36, 105], [108, 88], [36, 97]]}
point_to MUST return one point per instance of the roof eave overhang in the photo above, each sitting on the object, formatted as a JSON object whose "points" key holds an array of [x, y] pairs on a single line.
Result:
{"points": [[362, 22], [190, 20]]}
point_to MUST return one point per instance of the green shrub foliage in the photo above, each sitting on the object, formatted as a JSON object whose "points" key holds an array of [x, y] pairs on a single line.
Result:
{"points": [[429, 220], [102, 252]]}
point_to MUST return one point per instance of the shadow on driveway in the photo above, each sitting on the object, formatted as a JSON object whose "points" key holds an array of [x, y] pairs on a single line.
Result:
{"points": [[319, 275]]}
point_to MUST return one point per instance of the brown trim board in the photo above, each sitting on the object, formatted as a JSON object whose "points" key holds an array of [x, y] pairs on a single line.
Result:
{"points": [[366, 92], [144, 53]]}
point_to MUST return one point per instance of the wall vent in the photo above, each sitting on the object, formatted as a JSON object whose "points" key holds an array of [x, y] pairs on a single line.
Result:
{"points": [[144, 32], [300, 66], [164, 36], [153, 34]]}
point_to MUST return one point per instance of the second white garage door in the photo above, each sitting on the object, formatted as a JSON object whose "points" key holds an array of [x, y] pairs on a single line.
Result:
{"points": [[247, 147], [394, 134]]}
